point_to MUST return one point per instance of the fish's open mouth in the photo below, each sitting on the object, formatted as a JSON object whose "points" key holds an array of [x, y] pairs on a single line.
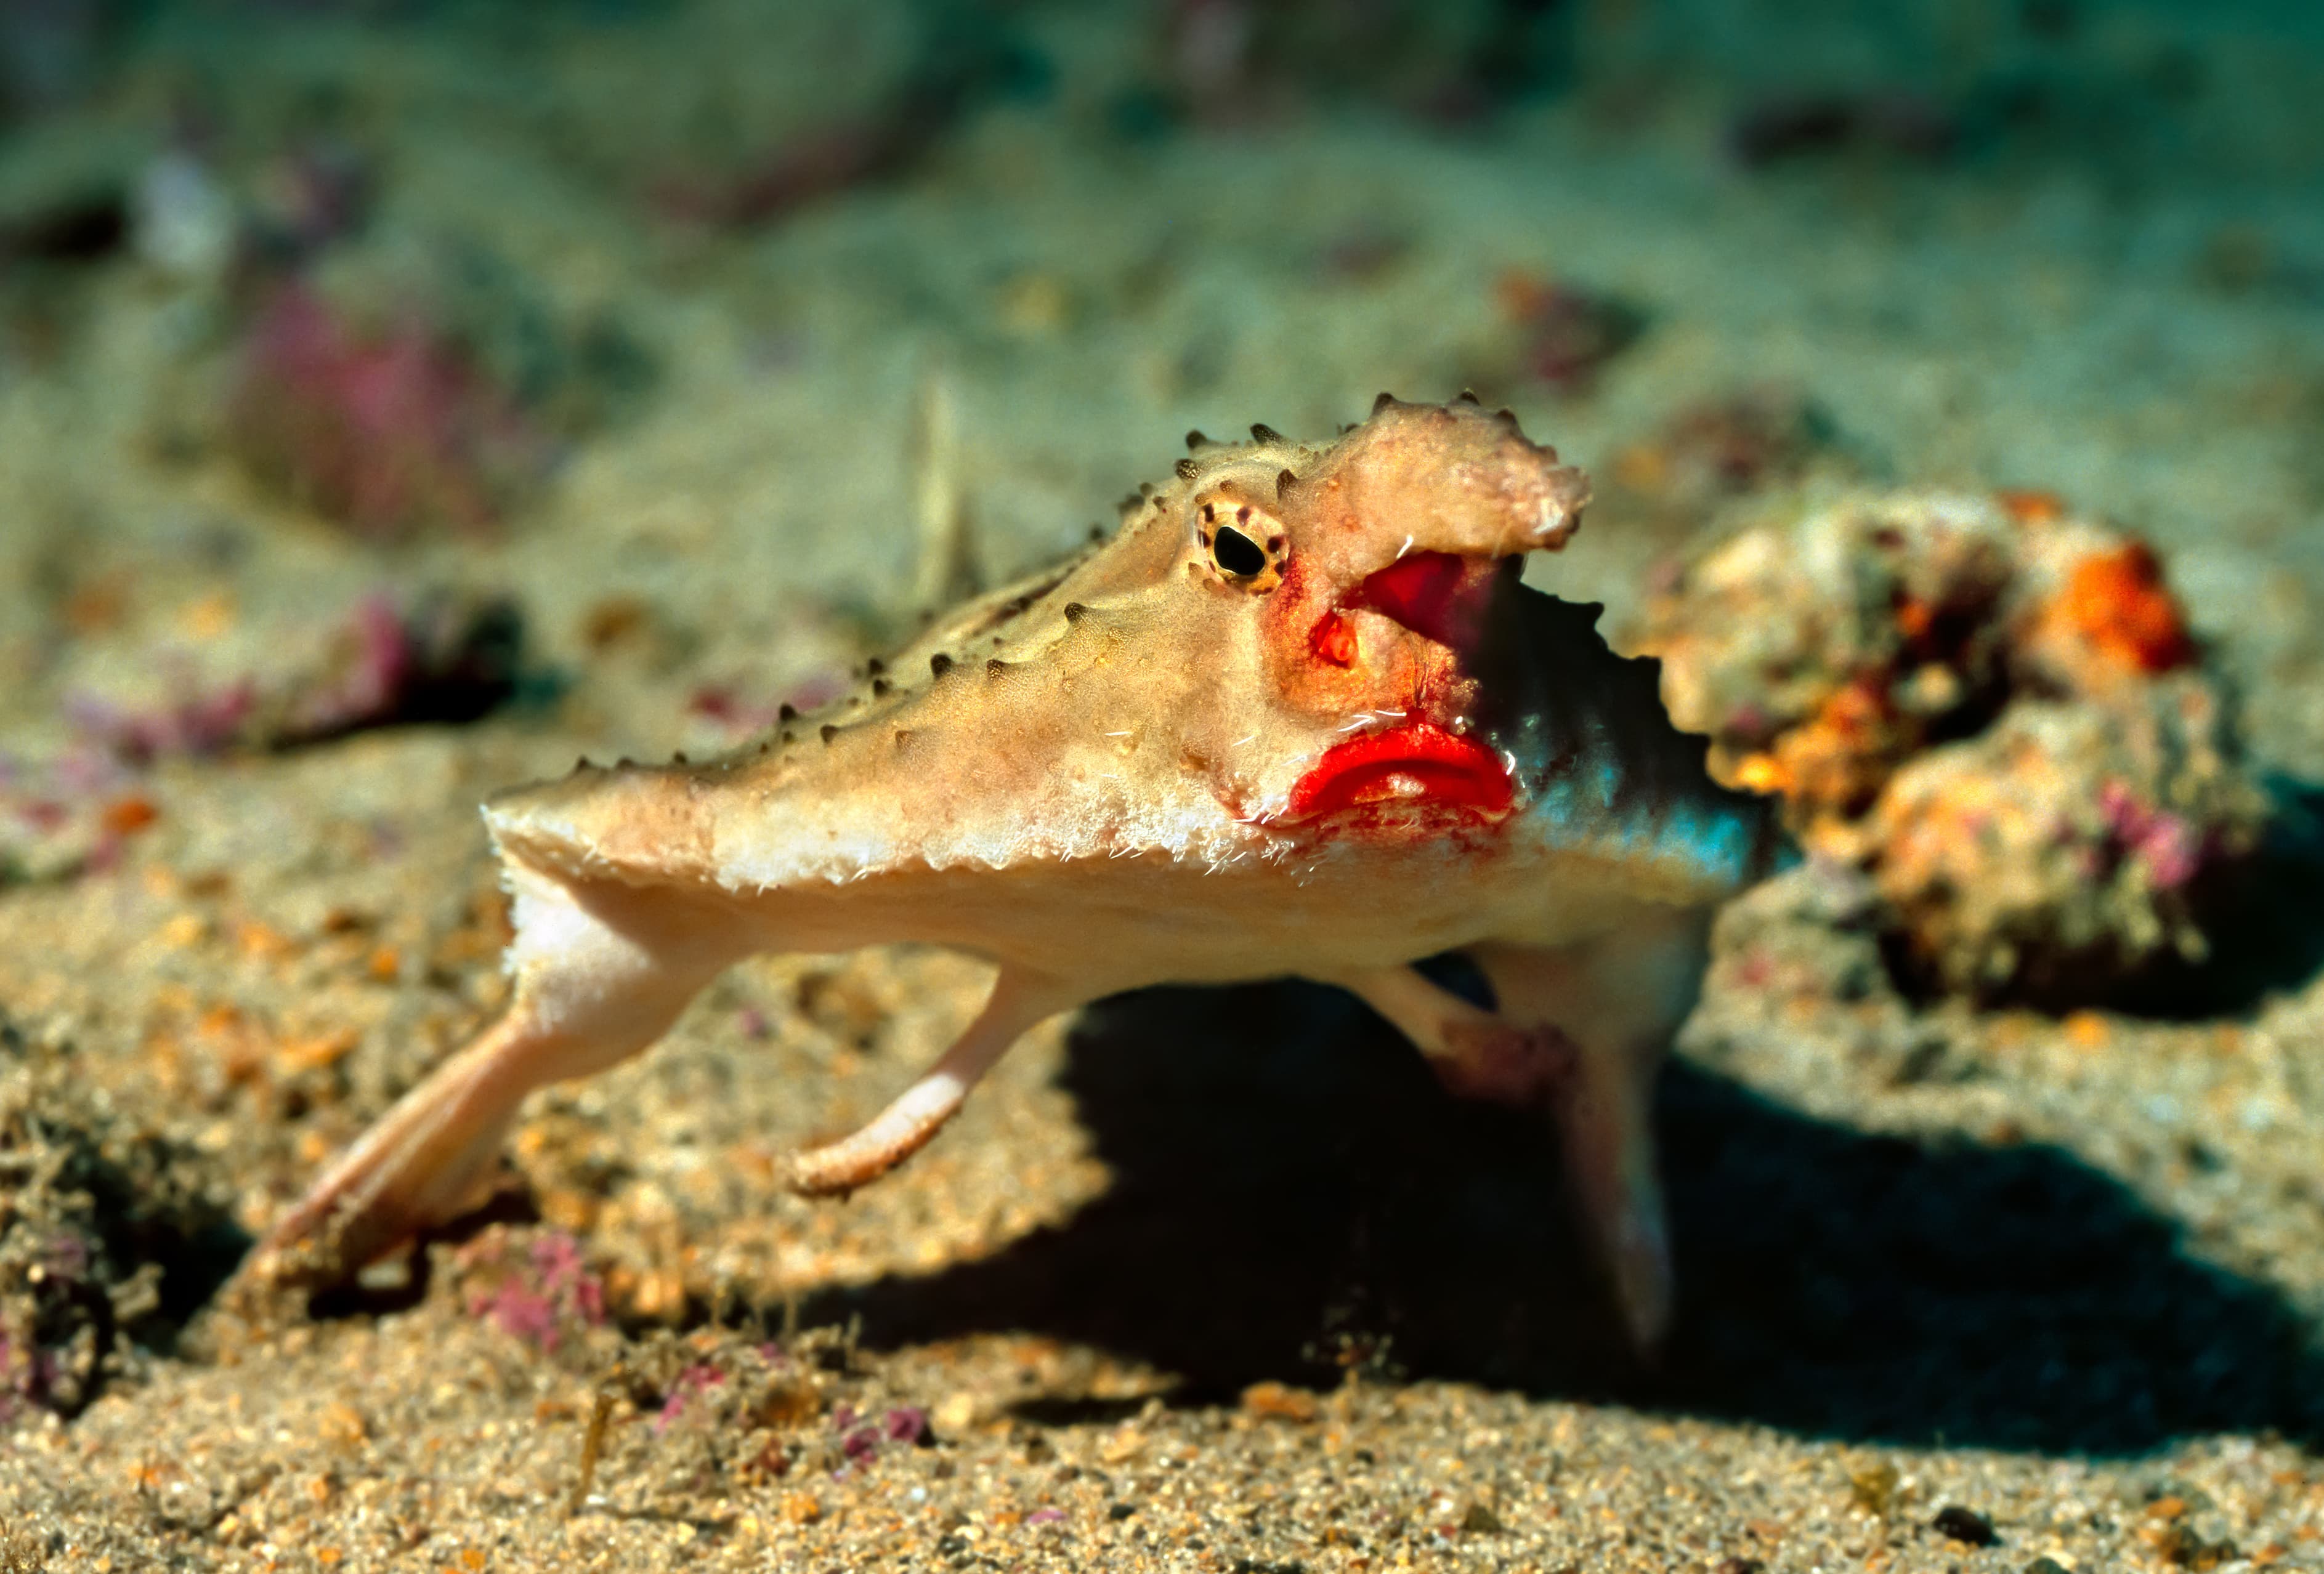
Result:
{"points": [[1416, 764], [1438, 595]]}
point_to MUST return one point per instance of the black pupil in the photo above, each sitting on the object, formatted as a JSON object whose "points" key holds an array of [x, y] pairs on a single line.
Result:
{"points": [[1237, 553]]}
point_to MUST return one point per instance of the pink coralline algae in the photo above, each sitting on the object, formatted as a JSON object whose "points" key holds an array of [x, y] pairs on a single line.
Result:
{"points": [[690, 1385], [388, 430], [195, 722], [447, 659], [862, 1436], [2170, 848], [27, 1375], [444, 659], [107, 1229], [552, 1291]]}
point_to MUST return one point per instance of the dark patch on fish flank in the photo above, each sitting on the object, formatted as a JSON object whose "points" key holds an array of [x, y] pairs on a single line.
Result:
{"points": [[1556, 691]]}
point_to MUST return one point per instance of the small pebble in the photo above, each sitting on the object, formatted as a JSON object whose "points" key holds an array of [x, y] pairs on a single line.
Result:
{"points": [[1482, 1520], [1964, 1525]]}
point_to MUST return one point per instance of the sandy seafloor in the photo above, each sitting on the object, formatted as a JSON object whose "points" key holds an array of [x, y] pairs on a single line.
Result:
{"points": [[1199, 1281]]}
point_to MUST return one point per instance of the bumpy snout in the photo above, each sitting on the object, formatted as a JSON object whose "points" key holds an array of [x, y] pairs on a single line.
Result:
{"points": [[1415, 515], [1454, 479]]}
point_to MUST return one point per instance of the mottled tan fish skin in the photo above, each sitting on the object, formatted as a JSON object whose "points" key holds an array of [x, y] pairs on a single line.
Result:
{"points": [[1296, 716]]}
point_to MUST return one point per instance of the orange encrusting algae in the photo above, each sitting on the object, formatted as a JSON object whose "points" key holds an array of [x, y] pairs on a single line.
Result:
{"points": [[2031, 505], [1995, 712], [2120, 603]]}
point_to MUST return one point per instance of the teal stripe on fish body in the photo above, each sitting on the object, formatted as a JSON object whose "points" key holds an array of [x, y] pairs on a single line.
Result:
{"points": [[1611, 775]]}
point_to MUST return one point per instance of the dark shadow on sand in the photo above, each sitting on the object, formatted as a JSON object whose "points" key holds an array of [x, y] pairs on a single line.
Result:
{"points": [[1289, 1178]]}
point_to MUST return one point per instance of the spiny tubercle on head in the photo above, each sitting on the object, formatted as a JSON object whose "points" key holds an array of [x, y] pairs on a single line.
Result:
{"points": [[1148, 505]]}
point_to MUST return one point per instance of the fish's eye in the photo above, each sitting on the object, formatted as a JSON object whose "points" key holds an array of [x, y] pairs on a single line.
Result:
{"points": [[1241, 547], [1237, 553]]}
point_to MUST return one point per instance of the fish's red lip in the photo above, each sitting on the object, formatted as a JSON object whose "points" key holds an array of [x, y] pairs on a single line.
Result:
{"points": [[1416, 764]]}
